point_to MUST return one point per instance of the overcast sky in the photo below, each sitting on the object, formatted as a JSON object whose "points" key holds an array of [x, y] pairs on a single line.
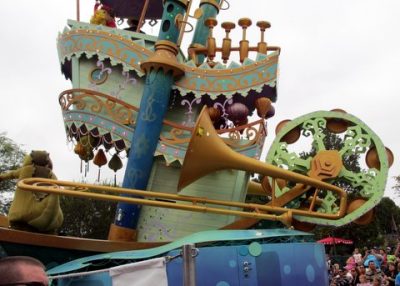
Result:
{"points": [[335, 54]]}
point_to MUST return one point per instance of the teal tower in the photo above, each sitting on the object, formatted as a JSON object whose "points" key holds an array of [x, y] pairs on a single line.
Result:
{"points": [[209, 9]]}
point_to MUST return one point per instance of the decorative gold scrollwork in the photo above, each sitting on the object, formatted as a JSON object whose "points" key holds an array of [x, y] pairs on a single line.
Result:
{"points": [[237, 138], [245, 135], [98, 102], [176, 136]]}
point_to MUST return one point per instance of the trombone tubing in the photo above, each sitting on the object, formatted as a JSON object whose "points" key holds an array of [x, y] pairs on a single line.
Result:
{"points": [[83, 194], [255, 166], [53, 186]]}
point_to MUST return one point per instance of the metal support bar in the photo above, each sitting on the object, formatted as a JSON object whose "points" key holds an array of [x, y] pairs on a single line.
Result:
{"points": [[189, 253], [142, 15], [77, 10]]}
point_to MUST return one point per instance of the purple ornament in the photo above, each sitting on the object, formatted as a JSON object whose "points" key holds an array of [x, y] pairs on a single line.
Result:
{"points": [[237, 113]]}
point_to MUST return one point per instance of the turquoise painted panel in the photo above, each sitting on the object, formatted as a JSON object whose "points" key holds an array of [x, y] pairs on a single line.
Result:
{"points": [[229, 80], [229, 236], [104, 43], [119, 48], [148, 39], [124, 85], [104, 124], [157, 224]]}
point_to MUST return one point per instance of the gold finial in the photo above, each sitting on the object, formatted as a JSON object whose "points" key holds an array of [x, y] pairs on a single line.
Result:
{"points": [[227, 42], [262, 45], [211, 44], [244, 23], [244, 44]]}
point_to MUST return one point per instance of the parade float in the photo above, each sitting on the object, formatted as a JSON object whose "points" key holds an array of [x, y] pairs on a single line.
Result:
{"points": [[192, 125]]}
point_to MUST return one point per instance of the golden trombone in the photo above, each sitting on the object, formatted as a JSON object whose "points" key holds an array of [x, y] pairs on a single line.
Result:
{"points": [[197, 204], [206, 153]]}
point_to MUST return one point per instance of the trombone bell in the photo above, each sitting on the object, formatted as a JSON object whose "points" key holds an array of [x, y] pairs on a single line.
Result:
{"points": [[208, 153]]}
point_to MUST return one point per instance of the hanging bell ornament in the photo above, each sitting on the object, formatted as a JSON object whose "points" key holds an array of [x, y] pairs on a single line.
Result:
{"points": [[263, 105], [79, 149], [115, 164], [87, 156], [99, 160], [215, 114], [270, 113]]}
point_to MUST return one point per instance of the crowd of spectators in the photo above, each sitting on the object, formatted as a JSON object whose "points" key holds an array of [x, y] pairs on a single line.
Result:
{"points": [[369, 267]]}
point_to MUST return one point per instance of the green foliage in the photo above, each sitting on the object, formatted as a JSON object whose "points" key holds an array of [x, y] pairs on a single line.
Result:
{"points": [[396, 187], [11, 154], [86, 217], [377, 233], [11, 157]]}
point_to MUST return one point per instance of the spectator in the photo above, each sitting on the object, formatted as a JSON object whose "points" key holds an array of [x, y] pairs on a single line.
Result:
{"points": [[363, 281], [360, 270], [354, 276], [390, 257], [377, 281], [376, 252], [397, 279], [382, 253], [22, 270], [357, 256], [34, 211], [351, 263], [390, 274], [349, 274], [372, 271], [372, 255], [341, 279]]}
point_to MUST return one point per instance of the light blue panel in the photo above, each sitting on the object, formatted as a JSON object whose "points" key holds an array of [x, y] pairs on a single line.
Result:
{"points": [[200, 237], [275, 264]]}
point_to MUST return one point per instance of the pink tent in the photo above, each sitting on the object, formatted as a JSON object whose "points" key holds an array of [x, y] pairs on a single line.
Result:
{"points": [[335, 240]]}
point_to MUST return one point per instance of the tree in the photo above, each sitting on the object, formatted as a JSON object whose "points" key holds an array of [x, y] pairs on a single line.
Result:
{"points": [[396, 187], [11, 157], [87, 217], [386, 218]]}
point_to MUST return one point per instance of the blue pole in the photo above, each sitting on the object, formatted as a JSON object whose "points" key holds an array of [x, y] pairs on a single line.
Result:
{"points": [[161, 70]]}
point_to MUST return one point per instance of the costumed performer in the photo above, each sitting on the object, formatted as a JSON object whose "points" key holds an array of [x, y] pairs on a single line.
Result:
{"points": [[34, 211]]}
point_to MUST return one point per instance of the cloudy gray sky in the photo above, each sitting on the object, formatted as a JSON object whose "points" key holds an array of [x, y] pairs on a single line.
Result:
{"points": [[335, 54]]}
